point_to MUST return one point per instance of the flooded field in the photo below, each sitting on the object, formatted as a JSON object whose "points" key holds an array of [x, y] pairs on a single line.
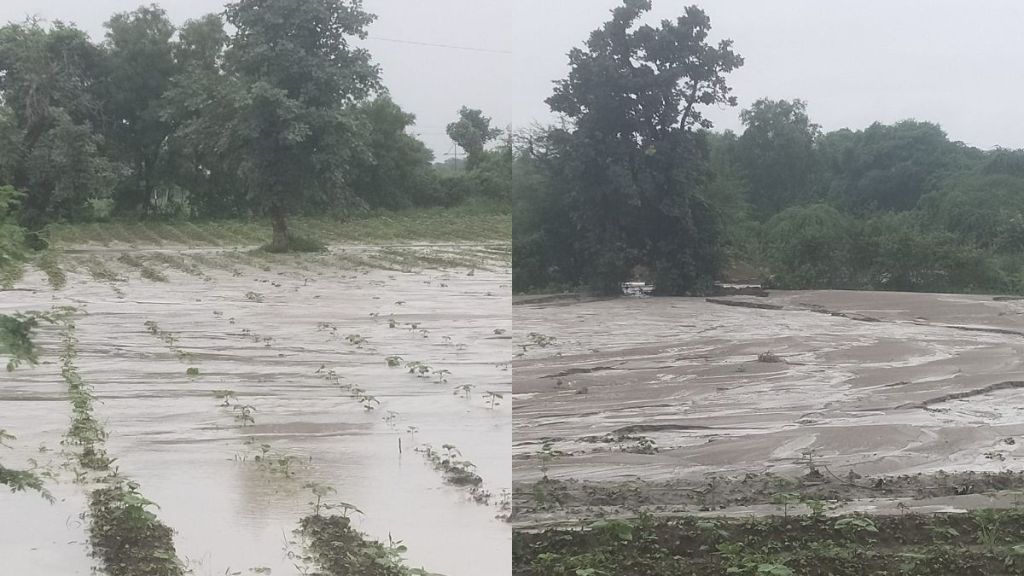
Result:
{"points": [[242, 392], [686, 405]]}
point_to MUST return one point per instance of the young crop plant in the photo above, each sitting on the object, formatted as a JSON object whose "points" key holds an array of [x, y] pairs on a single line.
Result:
{"points": [[456, 471], [420, 369], [244, 414], [492, 398]]}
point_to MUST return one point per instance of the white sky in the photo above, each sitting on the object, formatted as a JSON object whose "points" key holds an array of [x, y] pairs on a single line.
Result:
{"points": [[958, 63]]}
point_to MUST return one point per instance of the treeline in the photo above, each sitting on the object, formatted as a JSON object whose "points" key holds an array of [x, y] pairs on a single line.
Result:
{"points": [[891, 207], [282, 115], [637, 185]]}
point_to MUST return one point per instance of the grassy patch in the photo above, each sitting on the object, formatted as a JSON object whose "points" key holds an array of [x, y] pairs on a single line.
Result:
{"points": [[50, 263], [178, 262], [984, 542], [297, 243], [10, 272], [99, 270], [477, 221], [146, 271]]}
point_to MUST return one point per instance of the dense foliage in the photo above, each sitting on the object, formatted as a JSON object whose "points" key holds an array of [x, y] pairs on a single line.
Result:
{"points": [[636, 185], [268, 109]]}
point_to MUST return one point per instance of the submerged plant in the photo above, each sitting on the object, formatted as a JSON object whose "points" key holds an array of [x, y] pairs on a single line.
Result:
{"points": [[418, 368], [492, 398], [245, 414]]}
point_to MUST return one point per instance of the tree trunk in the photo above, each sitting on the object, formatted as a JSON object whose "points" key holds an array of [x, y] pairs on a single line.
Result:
{"points": [[279, 222]]}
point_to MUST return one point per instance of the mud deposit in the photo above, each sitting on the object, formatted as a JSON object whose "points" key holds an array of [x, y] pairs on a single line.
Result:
{"points": [[627, 403], [229, 381]]}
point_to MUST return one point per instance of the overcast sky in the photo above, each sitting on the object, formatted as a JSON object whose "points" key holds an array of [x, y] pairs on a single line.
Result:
{"points": [[958, 63]]}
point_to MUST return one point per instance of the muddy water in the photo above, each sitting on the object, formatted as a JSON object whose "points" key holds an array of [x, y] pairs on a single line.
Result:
{"points": [[36, 536], [262, 331], [890, 384]]}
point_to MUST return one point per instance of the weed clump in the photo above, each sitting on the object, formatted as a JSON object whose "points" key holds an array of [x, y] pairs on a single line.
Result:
{"points": [[340, 550], [296, 244], [127, 537]]}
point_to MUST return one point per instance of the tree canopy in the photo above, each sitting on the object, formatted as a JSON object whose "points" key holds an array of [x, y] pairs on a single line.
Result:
{"points": [[629, 166]]}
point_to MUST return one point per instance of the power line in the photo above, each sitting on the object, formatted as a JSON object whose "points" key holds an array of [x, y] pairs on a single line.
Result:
{"points": [[448, 46]]}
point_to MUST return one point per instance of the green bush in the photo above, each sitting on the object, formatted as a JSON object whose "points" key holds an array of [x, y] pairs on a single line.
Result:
{"points": [[13, 251], [811, 247]]}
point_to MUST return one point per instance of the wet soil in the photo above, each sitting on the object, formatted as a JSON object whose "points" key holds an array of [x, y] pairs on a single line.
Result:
{"points": [[653, 398]]}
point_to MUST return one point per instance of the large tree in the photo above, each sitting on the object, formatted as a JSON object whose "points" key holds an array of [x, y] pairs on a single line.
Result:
{"points": [[140, 67], [888, 167], [195, 162], [471, 132], [394, 170], [777, 154], [49, 112], [632, 164], [286, 105]]}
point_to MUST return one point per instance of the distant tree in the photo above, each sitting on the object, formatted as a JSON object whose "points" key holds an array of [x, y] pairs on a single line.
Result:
{"points": [[471, 132], [284, 110], [140, 66], [200, 44], [630, 165], [900, 251], [888, 167], [395, 168], [48, 82], [728, 193], [195, 159], [67, 164], [811, 246], [984, 210], [777, 155]]}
